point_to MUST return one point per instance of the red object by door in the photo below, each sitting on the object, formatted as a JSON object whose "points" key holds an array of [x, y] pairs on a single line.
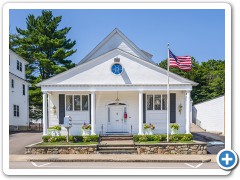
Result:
{"points": [[125, 115]]}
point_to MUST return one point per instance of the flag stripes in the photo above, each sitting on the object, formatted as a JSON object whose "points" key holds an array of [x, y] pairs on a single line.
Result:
{"points": [[181, 62]]}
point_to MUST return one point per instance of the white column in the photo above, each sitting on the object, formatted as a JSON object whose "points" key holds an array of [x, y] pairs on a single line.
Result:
{"points": [[93, 112], [140, 111], [188, 112], [45, 121]]}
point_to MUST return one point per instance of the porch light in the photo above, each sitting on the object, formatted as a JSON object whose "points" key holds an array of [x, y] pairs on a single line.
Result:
{"points": [[117, 100]]}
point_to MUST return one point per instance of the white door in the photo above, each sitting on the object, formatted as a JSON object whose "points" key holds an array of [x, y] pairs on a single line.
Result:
{"points": [[116, 119]]}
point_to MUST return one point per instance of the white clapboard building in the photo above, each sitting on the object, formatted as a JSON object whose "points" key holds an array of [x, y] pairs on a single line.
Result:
{"points": [[18, 93], [116, 88]]}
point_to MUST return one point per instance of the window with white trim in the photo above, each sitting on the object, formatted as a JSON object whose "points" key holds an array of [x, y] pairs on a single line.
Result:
{"points": [[16, 110], [76, 102], [156, 102], [19, 65]]}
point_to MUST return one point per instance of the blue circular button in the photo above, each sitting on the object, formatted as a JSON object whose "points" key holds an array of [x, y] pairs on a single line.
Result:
{"points": [[227, 159]]}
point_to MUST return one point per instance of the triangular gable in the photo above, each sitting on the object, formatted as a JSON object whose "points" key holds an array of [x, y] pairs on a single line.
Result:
{"points": [[97, 72], [116, 39]]}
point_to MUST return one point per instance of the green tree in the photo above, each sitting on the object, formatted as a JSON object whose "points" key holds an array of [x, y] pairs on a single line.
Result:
{"points": [[209, 75], [46, 48]]}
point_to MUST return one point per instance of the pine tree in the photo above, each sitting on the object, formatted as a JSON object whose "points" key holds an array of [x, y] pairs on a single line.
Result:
{"points": [[46, 48]]}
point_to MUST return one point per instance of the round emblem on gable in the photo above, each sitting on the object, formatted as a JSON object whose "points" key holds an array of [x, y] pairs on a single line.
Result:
{"points": [[117, 68]]}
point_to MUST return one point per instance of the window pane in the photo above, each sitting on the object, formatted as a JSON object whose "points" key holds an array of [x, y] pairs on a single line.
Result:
{"points": [[69, 103], [149, 102], [157, 102], [23, 89], [12, 83], [17, 65], [77, 106], [20, 66], [14, 110], [17, 111], [164, 102], [85, 102]]}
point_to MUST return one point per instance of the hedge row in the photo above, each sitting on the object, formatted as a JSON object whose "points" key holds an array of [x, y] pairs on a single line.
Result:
{"points": [[90, 138], [162, 137]]}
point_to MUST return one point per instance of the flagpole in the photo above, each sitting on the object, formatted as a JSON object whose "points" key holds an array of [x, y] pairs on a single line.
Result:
{"points": [[168, 99]]}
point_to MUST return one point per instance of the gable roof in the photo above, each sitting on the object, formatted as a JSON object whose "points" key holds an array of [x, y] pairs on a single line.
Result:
{"points": [[78, 74], [119, 36]]}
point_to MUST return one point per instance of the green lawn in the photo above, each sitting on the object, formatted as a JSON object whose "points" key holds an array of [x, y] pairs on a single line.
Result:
{"points": [[66, 144]]}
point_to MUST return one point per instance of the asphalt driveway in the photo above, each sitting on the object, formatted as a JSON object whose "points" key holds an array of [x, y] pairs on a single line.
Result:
{"points": [[18, 141]]}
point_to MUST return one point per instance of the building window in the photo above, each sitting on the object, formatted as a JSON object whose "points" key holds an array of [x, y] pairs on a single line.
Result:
{"points": [[157, 102], [23, 86], [117, 69], [85, 102], [69, 103], [149, 102], [12, 83], [19, 65], [16, 110], [77, 102]]}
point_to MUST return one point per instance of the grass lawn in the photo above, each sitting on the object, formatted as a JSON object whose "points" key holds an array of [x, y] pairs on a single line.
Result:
{"points": [[157, 142], [66, 144]]}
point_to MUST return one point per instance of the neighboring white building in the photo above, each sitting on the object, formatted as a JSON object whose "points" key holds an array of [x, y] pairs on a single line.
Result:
{"points": [[18, 93], [117, 88], [209, 115]]}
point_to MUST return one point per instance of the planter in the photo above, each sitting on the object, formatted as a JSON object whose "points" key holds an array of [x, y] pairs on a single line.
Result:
{"points": [[148, 131], [53, 132], [174, 131], [85, 132]]}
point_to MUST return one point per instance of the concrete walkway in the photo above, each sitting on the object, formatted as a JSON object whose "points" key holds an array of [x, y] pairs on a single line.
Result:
{"points": [[112, 158]]}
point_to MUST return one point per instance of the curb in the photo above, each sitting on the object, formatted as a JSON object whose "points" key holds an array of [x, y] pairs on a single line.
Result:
{"points": [[118, 160]]}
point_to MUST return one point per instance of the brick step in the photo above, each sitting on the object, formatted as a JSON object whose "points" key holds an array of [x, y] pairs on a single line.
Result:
{"points": [[117, 152]]}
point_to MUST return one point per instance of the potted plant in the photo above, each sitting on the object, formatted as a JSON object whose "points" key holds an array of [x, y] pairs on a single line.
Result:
{"points": [[149, 128], [54, 130], [174, 128], [86, 129]]}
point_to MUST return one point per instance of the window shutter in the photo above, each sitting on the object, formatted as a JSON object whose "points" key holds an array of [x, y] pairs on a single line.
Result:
{"points": [[173, 108], [61, 108], [144, 108], [89, 107]]}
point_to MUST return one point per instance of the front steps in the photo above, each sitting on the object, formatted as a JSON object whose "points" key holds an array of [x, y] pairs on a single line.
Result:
{"points": [[116, 144]]}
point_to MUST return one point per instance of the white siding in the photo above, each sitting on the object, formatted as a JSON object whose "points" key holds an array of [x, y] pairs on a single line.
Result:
{"points": [[159, 117], [210, 114], [16, 97], [78, 117], [13, 64]]}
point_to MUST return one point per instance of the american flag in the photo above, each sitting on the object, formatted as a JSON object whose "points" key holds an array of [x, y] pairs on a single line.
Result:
{"points": [[181, 62]]}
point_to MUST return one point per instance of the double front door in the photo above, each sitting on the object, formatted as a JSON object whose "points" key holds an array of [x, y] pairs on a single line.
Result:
{"points": [[116, 120]]}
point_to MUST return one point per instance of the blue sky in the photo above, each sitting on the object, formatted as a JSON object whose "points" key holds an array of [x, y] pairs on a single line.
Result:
{"points": [[198, 33]]}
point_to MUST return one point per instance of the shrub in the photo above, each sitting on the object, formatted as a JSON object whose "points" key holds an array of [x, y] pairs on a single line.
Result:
{"points": [[157, 138], [90, 138], [180, 137], [164, 137], [76, 139], [46, 138], [59, 128], [187, 137], [136, 138], [174, 126], [143, 138]]}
